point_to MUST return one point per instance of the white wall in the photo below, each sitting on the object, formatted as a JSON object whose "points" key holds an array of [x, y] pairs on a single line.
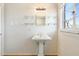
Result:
{"points": [[18, 36], [1, 28], [68, 43]]}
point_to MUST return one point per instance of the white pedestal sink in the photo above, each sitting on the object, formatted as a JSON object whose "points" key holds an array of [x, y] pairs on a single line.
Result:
{"points": [[40, 39]]}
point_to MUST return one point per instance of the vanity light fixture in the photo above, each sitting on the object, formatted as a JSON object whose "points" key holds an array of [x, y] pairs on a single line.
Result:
{"points": [[40, 9]]}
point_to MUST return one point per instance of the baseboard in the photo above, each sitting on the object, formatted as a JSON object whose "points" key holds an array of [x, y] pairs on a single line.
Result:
{"points": [[18, 54], [26, 54], [51, 54]]}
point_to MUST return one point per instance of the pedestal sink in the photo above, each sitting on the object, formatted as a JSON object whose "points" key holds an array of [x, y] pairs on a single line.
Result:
{"points": [[40, 39]]}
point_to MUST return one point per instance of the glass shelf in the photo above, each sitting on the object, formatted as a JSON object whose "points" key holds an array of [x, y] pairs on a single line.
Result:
{"points": [[40, 20]]}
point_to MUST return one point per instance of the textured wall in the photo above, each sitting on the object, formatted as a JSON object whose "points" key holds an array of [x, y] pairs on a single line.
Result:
{"points": [[18, 36]]}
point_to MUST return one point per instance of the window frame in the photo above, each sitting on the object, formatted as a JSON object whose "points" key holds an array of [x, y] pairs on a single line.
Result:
{"points": [[74, 28]]}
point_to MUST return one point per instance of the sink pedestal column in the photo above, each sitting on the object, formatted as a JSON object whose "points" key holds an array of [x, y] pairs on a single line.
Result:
{"points": [[41, 48]]}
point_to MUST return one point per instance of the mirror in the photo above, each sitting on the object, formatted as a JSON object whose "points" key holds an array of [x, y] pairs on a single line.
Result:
{"points": [[40, 20]]}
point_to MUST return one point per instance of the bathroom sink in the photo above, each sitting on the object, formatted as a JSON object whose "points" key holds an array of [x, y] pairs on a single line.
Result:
{"points": [[41, 37]]}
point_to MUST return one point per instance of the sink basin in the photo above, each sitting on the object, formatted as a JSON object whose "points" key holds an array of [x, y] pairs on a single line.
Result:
{"points": [[41, 37]]}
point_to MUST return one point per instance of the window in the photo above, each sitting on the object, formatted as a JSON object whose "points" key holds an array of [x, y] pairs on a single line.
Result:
{"points": [[77, 15], [68, 16], [71, 16]]}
